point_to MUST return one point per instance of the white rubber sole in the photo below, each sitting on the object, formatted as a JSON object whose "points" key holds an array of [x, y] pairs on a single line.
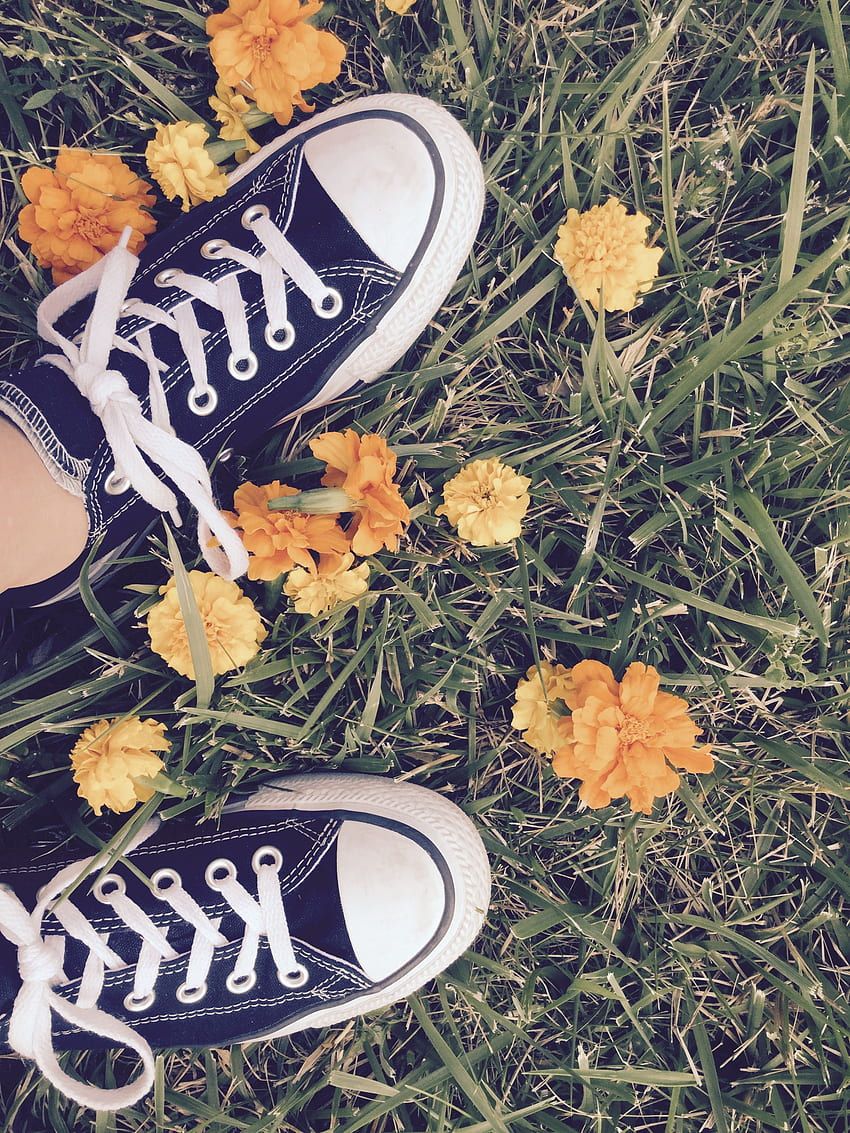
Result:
{"points": [[450, 830], [448, 249]]}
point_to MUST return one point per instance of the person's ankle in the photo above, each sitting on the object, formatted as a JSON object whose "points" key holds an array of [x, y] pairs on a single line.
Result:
{"points": [[43, 527]]}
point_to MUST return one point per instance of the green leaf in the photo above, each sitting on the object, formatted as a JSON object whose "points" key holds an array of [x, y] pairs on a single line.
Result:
{"points": [[756, 515], [198, 644], [792, 226]]}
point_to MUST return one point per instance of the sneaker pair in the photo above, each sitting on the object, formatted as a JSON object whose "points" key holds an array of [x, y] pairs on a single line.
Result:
{"points": [[322, 896], [329, 254], [315, 899]]}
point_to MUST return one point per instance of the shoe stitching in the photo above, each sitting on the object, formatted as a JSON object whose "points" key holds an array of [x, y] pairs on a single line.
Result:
{"points": [[292, 159], [283, 824], [42, 434], [103, 460], [289, 882], [335, 975]]}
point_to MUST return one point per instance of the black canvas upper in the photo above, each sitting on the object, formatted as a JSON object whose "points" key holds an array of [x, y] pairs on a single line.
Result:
{"points": [[60, 417], [309, 887]]}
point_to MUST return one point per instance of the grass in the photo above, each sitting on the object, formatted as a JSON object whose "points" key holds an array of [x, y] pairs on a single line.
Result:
{"points": [[672, 974]]}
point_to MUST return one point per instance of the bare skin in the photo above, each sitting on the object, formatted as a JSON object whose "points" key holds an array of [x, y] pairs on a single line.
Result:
{"points": [[43, 528]]}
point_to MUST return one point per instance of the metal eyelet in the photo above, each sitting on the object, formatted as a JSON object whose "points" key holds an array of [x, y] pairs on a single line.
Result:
{"points": [[115, 484], [329, 312], [203, 403], [140, 1004], [111, 885], [267, 855], [186, 994], [225, 455], [214, 249], [128, 305], [252, 214], [165, 277], [170, 875], [276, 343], [296, 978], [239, 985], [243, 368], [219, 866]]}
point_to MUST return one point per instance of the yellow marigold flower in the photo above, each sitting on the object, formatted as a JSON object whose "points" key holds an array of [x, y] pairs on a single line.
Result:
{"points": [[535, 707], [626, 735], [232, 625], [230, 110], [364, 468], [319, 590], [486, 501], [266, 49], [604, 253], [181, 166], [78, 210], [400, 7], [277, 541], [111, 756]]}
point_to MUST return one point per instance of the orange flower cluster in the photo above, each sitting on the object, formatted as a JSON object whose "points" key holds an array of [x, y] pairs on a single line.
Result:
{"points": [[364, 467], [360, 474], [622, 738], [269, 52], [278, 541], [78, 210]]}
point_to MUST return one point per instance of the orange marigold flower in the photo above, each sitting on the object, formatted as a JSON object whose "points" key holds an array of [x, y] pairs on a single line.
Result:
{"points": [[277, 541], [626, 735], [364, 468], [79, 209], [267, 50]]}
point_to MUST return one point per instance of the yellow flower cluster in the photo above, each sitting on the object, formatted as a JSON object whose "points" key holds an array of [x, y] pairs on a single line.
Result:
{"points": [[603, 252], [486, 501], [111, 758], [178, 161], [314, 550], [78, 210], [232, 626], [619, 739]]}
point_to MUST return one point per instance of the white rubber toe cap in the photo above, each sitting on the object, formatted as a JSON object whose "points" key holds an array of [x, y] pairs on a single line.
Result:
{"points": [[381, 177], [393, 896]]}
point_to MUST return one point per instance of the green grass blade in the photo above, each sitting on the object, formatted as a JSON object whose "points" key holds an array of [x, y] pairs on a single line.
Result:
{"points": [[792, 226], [198, 644], [757, 516]]}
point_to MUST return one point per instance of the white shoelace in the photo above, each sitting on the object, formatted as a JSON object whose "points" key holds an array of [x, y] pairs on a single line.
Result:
{"points": [[40, 961], [137, 442]]}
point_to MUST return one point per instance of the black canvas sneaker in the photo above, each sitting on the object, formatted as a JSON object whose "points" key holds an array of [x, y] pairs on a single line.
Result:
{"points": [[329, 254], [319, 898]]}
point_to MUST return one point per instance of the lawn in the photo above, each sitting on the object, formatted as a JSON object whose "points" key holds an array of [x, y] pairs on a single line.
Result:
{"points": [[674, 973]]}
